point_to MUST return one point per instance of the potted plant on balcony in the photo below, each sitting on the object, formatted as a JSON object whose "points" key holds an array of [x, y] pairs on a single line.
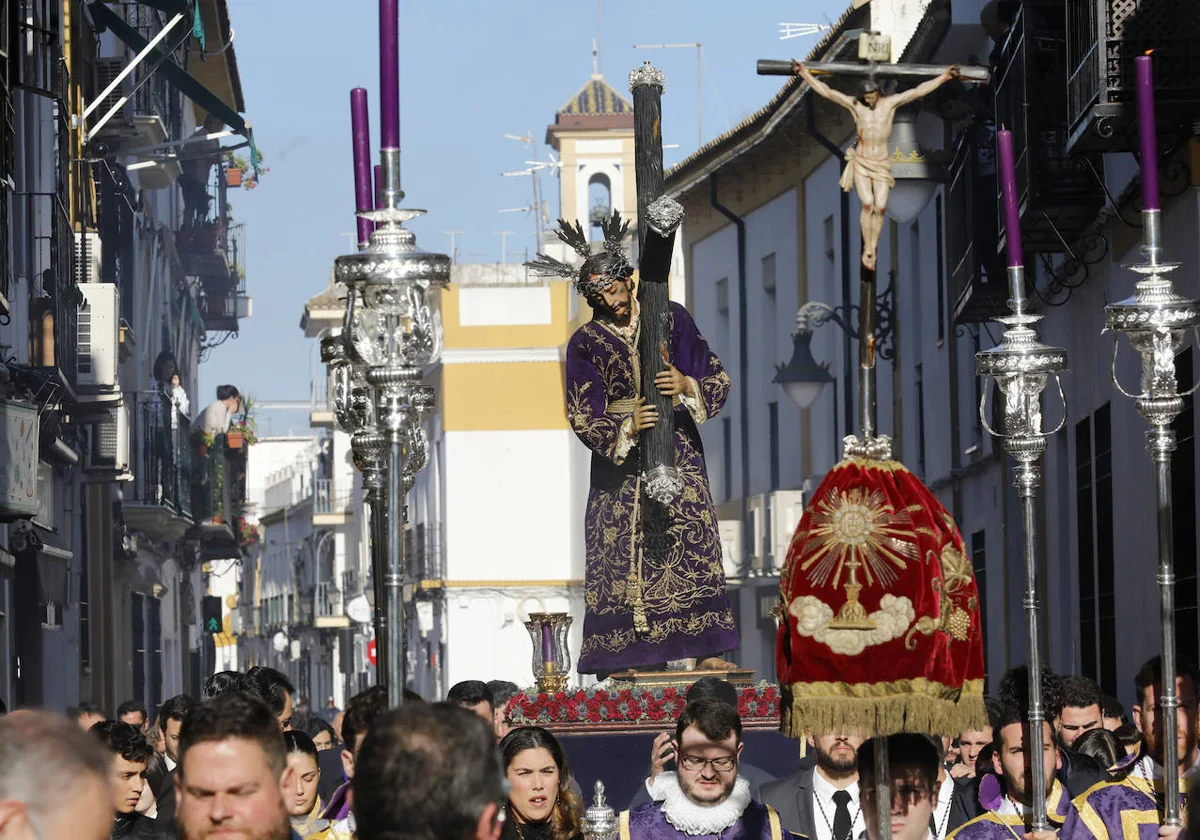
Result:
{"points": [[247, 534], [243, 431], [235, 170], [258, 170]]}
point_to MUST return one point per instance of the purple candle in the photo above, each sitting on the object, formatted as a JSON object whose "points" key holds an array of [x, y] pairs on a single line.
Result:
{"points": [[547, 642], [378, 187], [389, 74], [1007, 170], [361, 131], [1147, 132]]}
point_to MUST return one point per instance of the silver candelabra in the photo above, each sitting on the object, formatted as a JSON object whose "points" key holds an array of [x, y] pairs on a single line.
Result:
{"points": [[1155, 320], [1021, 367], [391, 335]]}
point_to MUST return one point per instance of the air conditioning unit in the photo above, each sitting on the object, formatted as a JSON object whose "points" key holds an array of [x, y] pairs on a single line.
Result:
{"points": [[87, 257], [759, 513], [121, 124], [99, 327], [109, 452], [730, 531], [787, 506]]}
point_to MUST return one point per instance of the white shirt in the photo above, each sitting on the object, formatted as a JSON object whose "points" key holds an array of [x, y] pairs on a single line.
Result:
{"points": [[171, 765], [824, 808], [214, 419], [941, 814]]}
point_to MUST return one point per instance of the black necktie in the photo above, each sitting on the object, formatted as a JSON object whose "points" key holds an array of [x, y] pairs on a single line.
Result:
{"points": [[842, 824]]}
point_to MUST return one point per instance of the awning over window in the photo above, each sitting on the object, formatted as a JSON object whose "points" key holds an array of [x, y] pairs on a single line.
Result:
{"points": [[185, 82]]}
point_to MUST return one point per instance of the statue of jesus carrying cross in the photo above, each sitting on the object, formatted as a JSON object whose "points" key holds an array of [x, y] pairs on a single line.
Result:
{"points": [[868, 166]]}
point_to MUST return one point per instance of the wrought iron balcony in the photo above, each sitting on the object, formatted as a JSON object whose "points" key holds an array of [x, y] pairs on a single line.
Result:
{"points": [[218, 495], [328, 610], [977, 275], [54, 312], [159, 503], [1059, 195], [329, 500], [1104, 37]]}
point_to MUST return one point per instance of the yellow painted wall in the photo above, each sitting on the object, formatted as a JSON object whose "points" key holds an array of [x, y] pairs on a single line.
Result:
{"points": [[503, 396], [554, 334]]}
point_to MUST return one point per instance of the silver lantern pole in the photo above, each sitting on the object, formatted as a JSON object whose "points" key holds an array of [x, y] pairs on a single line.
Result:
{"points": [[1155, 320], [393, 327], [1021, 366]]}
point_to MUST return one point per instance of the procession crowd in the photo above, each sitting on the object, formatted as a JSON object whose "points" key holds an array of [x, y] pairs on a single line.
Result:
{"points": [[240, 762]]}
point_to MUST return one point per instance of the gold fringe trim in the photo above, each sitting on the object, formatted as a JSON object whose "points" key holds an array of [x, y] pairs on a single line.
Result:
{"points": [[875, 709]]}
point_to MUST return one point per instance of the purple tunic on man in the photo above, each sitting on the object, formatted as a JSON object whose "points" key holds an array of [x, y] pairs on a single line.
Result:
{"points": [[676, 817], [646, 605], [1128, 809]]}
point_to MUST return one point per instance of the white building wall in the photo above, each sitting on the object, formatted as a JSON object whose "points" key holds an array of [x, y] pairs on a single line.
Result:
{"points": [[509, 504]]}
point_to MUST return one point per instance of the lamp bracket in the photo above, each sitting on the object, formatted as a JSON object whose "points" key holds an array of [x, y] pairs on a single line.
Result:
{"points": [[816, 314]]}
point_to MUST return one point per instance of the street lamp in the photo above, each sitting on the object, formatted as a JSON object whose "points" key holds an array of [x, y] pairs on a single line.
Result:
{"points": [[393, 329], [917, 174], [804, 378]]}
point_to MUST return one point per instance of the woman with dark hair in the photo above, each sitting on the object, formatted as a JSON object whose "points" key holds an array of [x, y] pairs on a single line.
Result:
{"points": [[302, 801], [542, 803], [1104, 748]]}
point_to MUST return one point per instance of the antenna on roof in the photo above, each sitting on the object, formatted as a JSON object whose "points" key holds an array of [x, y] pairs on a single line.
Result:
{"points": [[595, 60], [800, 30]]}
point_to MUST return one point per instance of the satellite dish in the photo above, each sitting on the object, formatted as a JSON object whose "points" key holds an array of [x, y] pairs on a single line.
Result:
{"points": [[358, 610], [280, 642]]}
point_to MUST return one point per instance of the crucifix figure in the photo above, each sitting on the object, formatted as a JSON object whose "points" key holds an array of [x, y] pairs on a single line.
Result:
{"points": [[868, 163]]}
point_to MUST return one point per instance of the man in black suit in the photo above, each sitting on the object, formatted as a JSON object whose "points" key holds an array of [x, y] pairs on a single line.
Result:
{"points": [[821, 802]]}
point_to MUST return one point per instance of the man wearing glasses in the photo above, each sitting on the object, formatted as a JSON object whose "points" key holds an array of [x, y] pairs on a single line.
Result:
{"points": [[706, 796]]}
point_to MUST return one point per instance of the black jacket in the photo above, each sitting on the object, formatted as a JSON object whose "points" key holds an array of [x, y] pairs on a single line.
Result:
{"points": [[792, 797], [135, 827]]}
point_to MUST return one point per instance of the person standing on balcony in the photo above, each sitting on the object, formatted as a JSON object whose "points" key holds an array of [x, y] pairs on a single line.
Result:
{"points": [[197, 159], [216, 417], [166, 373]]}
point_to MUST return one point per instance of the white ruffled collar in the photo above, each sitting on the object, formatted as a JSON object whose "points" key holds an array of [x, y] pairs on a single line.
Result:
{"points": [[699, 820]]}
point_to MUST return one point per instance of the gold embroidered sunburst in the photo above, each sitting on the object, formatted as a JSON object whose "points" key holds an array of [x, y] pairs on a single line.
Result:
{"points": [[860, 525]]}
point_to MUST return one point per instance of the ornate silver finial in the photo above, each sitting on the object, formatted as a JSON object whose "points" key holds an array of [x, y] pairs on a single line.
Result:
{"points": [[663, 484], [664, 215], [871, 448], [600, 823], [647, 74]]}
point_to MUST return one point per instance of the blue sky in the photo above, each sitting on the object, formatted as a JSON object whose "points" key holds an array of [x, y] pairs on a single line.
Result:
{"points": [[470, 72]]}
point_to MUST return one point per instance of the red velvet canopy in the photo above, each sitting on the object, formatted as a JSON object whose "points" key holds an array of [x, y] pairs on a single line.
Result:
{"points": [[882, 631]]}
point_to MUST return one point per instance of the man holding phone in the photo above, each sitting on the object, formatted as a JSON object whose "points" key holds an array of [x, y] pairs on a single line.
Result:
{"points": [[662, 754]]}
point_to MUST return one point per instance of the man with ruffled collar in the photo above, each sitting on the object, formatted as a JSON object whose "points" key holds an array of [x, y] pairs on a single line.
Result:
{"points": [[706, 797], [1131, 807]]}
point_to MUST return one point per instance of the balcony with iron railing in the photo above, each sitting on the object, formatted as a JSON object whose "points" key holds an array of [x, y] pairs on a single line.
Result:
{"points": [[213, 246], [1103, 39], [327, 610], [218, 495], [54, 312], [330, 503], [320, 414], [159, 503], [977, 277], [1059, 195]]}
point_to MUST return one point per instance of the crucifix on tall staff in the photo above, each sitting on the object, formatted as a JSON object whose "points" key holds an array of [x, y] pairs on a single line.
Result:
{"points": [[868, 161]]}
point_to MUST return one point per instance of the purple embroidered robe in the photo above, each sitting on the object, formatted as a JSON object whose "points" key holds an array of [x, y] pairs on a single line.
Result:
{"points": [[647, 822], [680, 593], [1128, 809]]}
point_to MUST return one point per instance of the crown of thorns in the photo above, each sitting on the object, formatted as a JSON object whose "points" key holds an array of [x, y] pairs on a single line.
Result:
{"points": [[589, 281]]}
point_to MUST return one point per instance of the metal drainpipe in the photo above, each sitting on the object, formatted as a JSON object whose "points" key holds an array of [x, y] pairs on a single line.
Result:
{"points": [[844, 212], [743, 366]]}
